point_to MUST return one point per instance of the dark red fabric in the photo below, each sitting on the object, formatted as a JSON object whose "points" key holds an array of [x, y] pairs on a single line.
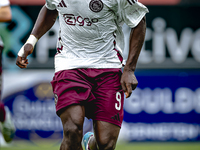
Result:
{"points": [[2, 112], [99, 90]]}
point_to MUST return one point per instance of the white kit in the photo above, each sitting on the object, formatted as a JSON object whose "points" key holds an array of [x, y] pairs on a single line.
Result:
{"points": [[91, 31]]}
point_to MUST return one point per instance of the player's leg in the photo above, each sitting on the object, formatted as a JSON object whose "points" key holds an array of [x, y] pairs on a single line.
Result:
{"points": [[1, 50], [2, 109], [2, 112], [108, 112], [72, 119], [6, 123], [106, 135], [71, 91]]}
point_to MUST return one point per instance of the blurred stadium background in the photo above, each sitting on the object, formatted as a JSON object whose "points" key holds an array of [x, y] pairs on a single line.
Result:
{"points": [[162, 113]]}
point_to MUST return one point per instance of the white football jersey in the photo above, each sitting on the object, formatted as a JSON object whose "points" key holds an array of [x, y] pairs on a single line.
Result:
{"points": [[91, 31], [4, 3]]}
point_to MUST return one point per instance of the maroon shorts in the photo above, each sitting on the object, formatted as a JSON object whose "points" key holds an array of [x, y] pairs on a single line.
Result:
{"points": [[99, 90]]}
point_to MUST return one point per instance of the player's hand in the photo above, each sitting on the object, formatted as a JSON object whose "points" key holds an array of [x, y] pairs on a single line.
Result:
{"points": [[128, 82], [22, 62]]}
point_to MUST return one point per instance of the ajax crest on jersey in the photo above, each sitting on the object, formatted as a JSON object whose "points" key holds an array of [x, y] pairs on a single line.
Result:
{"points": [[96, 5]]}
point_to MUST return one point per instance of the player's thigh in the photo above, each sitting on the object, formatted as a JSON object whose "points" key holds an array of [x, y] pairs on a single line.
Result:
{"points": [[108, 106], [106, 133], [72, 120]]}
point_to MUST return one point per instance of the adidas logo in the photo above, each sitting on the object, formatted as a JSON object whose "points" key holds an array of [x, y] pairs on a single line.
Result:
{"points": [[62, 4], [131, 2], [116, 117]]}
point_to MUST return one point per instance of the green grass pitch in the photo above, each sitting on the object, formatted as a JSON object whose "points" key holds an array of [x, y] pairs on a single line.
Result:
{"points": [[52, 145]]}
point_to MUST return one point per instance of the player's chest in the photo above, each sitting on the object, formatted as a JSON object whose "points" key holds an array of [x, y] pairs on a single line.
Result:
{"points": [[89, 8]]}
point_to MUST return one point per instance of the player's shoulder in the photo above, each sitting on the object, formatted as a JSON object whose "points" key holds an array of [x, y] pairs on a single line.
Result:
{"points": [[120, 2], [128, 2], [53, 1], [110, 3], [52, 4]]}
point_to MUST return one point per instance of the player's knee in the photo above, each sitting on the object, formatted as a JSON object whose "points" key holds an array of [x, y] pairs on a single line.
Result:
{"points": [[72, 132], [72, 136], [107, 144]]}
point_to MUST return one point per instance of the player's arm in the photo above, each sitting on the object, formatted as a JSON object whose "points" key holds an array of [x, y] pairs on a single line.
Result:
{"points": [[44, 22], [5, 14], [137, 35]]}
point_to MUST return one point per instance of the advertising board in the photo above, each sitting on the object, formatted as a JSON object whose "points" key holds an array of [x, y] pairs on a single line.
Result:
{"points": [[172, 38], [164, 107]]}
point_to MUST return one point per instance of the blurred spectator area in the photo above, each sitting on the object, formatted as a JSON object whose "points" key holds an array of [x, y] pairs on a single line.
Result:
{"points": [[27, 2], [190, 2]]}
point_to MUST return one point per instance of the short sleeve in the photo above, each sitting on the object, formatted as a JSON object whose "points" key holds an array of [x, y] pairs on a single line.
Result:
{"points": [[131, 12], [49, 5], [4, 3]]}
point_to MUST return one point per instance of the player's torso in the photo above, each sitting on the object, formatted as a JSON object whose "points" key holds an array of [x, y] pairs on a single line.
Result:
{"points": [[87, 30], [85, 17]]}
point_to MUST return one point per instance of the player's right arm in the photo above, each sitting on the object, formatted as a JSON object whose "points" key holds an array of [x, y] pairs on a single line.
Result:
{"points": [[5, 14], [44, 22]]}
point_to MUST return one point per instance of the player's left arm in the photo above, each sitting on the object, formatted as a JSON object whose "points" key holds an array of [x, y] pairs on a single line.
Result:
{"points": [[128, 79]]}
